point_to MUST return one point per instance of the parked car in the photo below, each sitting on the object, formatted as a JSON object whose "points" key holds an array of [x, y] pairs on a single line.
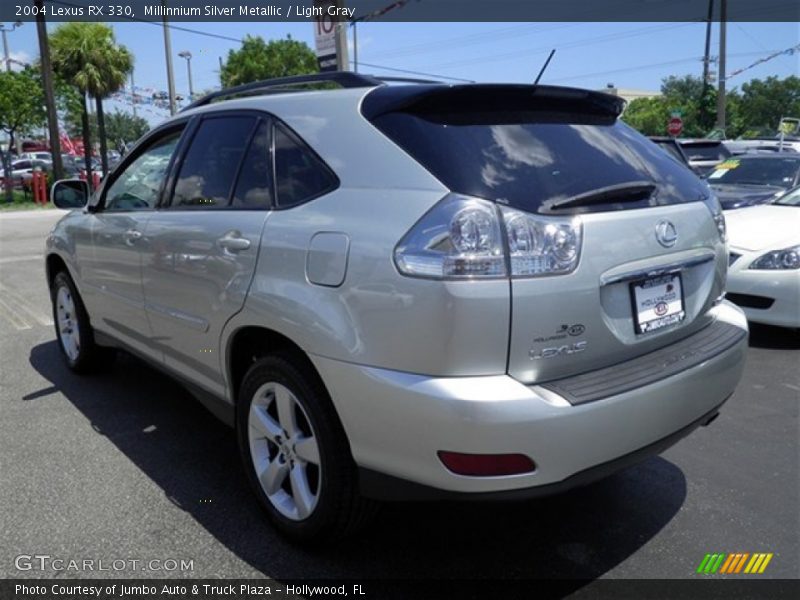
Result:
{"points": [[44, 156], [672, 147], [704, 155], [751, 179], [22, 171], [408, 291], [764, 272]]}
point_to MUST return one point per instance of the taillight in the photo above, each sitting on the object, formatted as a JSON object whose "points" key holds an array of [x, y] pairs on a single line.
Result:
{"points": [[542, 245], [459, 238], [462, 238]]}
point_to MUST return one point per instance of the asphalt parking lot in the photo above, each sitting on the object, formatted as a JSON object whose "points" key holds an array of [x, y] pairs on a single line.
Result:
{"points": [[127, 466]]}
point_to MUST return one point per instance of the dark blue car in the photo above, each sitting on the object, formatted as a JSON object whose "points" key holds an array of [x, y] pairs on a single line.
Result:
{"points": [[754, 179]]}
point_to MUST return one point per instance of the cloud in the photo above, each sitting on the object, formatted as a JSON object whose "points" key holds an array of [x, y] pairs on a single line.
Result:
{"points": [[19, 60]]}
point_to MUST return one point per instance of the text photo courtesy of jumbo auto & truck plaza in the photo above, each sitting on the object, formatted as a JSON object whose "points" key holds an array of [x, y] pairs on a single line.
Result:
{"points": [[392, 299]]}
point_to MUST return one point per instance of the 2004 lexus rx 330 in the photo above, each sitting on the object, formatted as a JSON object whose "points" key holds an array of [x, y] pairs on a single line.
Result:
{"points": [[408, 291]]}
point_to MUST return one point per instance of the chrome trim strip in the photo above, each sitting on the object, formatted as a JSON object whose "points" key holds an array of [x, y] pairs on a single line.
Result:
{"points": [[656, 271]]}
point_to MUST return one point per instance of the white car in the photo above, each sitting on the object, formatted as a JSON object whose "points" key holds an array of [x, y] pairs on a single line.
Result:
{"points": [[764, 264]]}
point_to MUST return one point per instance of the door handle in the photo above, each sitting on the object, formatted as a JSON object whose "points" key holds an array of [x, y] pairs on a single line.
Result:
{"points": [[132, 236], [233, 242]]}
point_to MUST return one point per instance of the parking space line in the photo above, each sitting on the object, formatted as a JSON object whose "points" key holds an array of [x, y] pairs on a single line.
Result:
{"points": [[18, 321], [22, 258], [24, 305]]}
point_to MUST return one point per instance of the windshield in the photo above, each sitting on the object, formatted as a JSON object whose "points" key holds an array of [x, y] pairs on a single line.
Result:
{"points": [[790, 199], [779, 172]]}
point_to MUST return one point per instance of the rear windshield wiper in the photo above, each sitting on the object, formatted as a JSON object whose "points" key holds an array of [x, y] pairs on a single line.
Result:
{"points": [[632, 191]]}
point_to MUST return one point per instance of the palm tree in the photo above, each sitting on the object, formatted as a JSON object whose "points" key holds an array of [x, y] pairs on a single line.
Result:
{"points": [[88, 56]]}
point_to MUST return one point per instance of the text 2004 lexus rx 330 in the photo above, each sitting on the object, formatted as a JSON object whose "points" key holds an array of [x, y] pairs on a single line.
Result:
{"points": [[408, 291]]}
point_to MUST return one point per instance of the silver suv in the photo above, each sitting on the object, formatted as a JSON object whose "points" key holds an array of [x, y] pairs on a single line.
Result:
{"points": [[411, 291]]}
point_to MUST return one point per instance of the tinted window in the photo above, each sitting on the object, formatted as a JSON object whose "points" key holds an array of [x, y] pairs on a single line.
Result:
{"points": [[254, 186], [757, 171], [540, 159], [299, 174], [139, 185], [706, 151], [212, 161]]}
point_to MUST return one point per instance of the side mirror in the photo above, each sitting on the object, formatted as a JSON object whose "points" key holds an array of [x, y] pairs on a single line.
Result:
{"points": [[70, 193]]}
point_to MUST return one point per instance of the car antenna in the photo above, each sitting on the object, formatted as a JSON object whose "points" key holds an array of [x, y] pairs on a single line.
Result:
{"points": [[547, 62]]}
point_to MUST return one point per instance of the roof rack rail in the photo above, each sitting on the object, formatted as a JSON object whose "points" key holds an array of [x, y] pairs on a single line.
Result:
{"points": [[346, 79], [392, 78]]}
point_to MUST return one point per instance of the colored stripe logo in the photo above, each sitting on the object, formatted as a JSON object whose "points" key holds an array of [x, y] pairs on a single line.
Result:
{"points": [[732, 564]]}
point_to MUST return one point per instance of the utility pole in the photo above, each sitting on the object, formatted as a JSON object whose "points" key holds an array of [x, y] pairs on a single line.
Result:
{"points": [[168, 52], [342, 62], [723, 15], [49, 96]]}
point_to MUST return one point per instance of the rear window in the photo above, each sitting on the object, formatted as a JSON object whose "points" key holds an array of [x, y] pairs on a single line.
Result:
{"points": [[539, 160], [706, 151]]}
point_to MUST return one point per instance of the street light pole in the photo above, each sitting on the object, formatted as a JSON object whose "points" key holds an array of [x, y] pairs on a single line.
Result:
{"points": [[6, 53], [188, 56]]}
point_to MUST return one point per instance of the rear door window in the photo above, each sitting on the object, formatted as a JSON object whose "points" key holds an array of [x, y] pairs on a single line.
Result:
{"points": [[212, 161], [254, 186]]}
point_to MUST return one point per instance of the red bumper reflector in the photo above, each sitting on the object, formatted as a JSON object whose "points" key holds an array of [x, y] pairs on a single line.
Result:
{"points": [[486, 465]]}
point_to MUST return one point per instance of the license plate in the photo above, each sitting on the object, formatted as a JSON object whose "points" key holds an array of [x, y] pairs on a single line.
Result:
{"points": [[657, 303]]}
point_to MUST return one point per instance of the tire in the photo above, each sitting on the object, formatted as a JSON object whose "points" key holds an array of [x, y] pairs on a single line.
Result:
{"points": [[296, 454], [74, 331]]}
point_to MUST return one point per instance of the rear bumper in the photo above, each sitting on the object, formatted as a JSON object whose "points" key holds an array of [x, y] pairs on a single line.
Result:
{"points": [[396, 422]]}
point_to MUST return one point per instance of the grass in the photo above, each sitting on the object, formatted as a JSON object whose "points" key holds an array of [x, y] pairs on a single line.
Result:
{"points": [[20, 201]]}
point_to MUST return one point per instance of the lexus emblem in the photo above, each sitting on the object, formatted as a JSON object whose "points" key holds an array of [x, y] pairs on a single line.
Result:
{"points": [[666, 234]]}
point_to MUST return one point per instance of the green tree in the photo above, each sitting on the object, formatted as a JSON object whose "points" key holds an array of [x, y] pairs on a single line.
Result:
{"points": [[21, 108], [649, 116], [764, 102], [125, 128], [257, 60], [87, 56]]}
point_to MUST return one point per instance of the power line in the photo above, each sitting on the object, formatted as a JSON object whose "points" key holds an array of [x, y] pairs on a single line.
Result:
{"points": [[492, 35], [628, 69], [415, 72], [575, 44]]}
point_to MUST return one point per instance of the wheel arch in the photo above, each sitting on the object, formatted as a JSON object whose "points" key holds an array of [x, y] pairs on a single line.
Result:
{"points": [[54, 264], [251, 342]]}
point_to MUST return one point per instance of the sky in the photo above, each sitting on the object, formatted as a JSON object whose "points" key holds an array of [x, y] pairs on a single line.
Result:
{"points": [[591, 55]]}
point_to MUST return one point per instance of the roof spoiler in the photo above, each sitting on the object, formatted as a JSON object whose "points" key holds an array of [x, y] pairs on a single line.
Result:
{"points": [[490, 99]]}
